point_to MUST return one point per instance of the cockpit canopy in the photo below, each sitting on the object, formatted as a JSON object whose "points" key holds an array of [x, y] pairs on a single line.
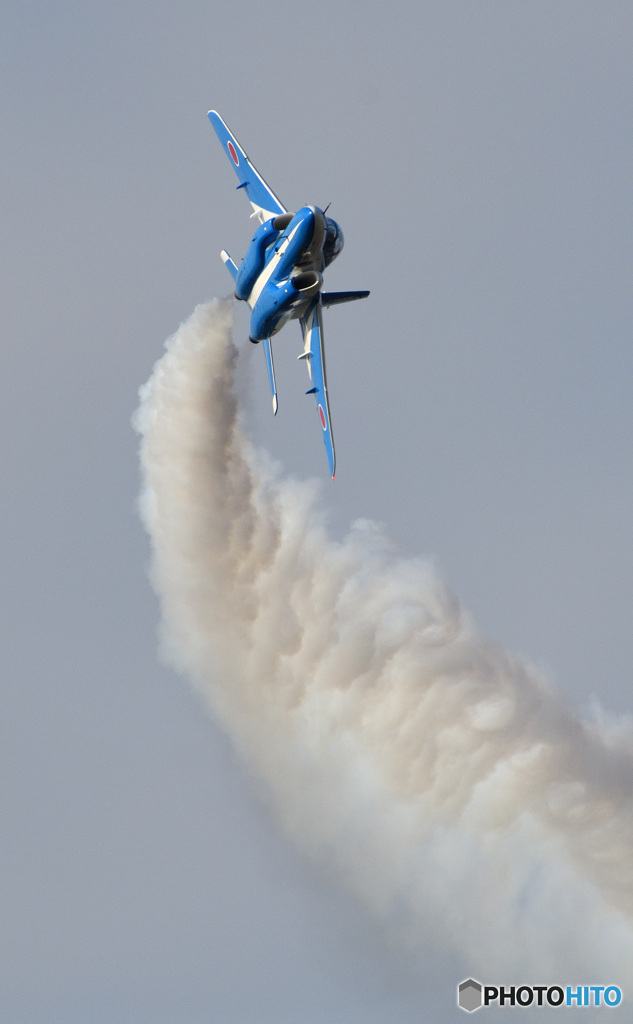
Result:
{"points": [[334, 241]]}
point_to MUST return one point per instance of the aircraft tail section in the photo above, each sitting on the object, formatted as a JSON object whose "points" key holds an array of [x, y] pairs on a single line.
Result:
{"points": [[262, 198]]}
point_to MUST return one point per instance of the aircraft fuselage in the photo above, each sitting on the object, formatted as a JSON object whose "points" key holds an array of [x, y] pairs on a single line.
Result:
{"points": [[281, 276], [282, 270]]}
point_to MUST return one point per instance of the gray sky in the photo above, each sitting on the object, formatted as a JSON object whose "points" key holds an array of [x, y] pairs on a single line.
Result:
{"points": [[477, 156]]}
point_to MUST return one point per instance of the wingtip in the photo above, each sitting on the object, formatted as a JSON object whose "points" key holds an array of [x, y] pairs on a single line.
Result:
{"points": [[275, 405]]}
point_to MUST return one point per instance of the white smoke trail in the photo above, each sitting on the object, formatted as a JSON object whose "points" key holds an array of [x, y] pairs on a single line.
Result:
{"points": [[452, 789]]}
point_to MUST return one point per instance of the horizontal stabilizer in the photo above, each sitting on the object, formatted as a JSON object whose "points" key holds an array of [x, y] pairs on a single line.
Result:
{"points": [[229, 264], [334, 298]]}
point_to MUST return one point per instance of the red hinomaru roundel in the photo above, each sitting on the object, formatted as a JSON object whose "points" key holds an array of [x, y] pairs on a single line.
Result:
{"points": [[322, 417], [234, 156]]}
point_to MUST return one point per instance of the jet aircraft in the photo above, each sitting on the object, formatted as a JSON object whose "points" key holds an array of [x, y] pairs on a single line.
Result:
{"points": [[281, 276]]}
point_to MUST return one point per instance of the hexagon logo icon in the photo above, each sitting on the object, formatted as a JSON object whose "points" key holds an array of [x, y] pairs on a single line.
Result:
{"points": [[469, 995]]}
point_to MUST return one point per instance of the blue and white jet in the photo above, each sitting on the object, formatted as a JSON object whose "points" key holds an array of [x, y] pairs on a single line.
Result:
{"points": [[281, 276]]}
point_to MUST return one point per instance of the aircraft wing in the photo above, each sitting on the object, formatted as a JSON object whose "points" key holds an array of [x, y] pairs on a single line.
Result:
{"points": [[314, 355], [268, 350], [262, 198]]}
